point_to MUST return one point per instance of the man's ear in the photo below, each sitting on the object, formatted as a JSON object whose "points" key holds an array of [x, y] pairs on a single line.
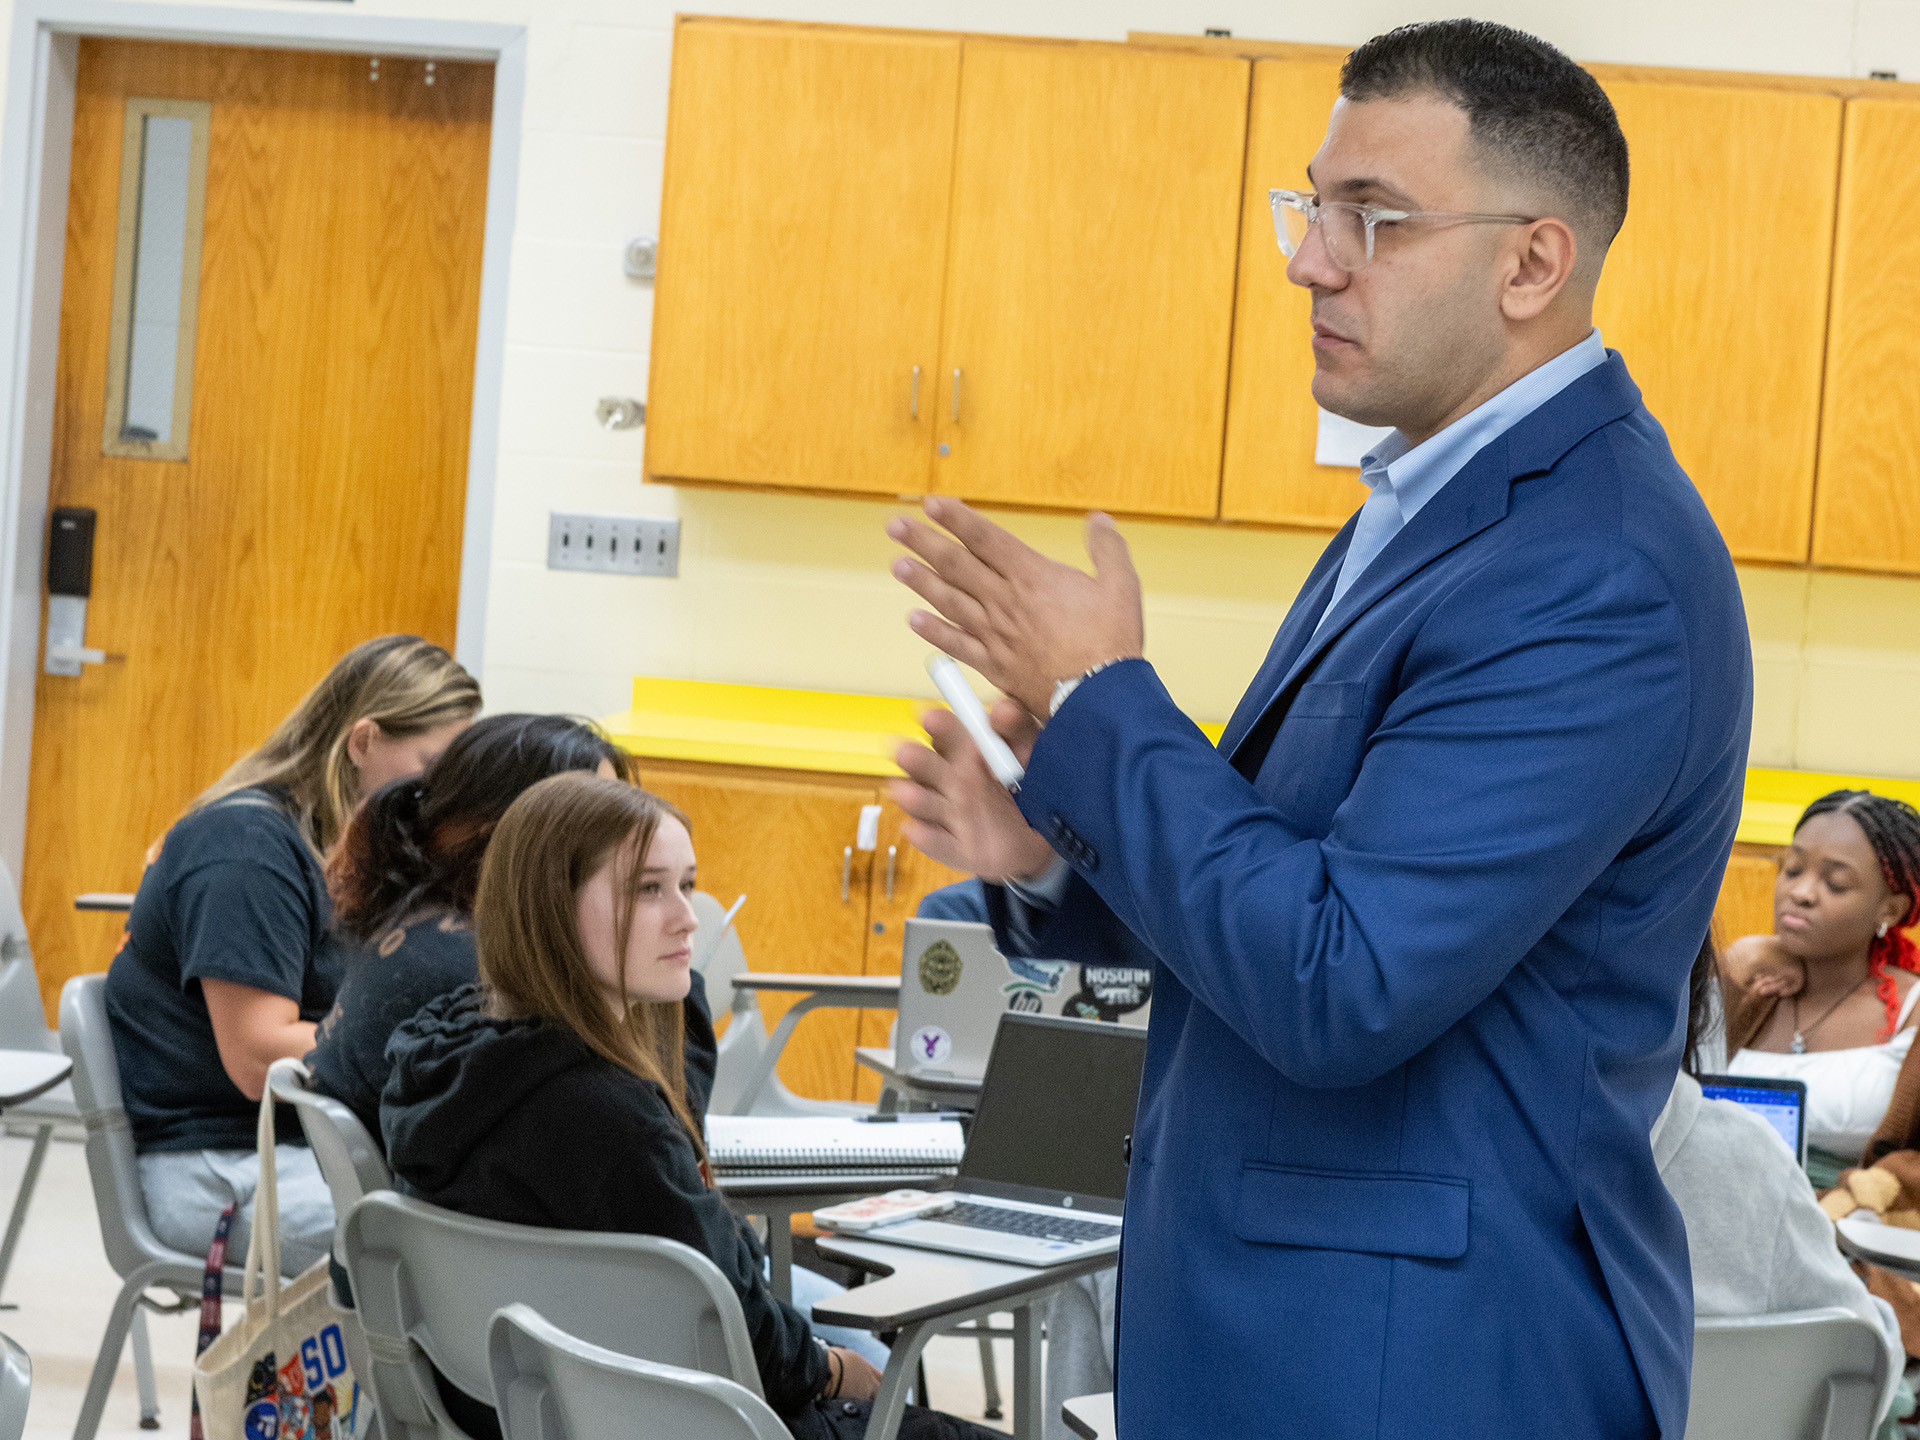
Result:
{"points": [[1541, 261]]}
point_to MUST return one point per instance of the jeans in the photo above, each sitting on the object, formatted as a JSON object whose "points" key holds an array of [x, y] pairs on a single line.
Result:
{"points": [[1079, 1317], [809, 1289], [187, 1189]]}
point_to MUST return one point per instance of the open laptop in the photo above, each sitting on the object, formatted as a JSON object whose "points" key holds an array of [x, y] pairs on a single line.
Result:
{"points": [[1045, 1169], [955, 985], [1781, 1103]]}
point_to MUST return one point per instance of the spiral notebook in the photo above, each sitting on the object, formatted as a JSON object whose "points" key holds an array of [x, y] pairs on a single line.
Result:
{"points": [[830, 1144]]}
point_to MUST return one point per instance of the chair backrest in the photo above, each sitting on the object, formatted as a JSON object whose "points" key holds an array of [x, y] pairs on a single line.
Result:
{"points": [[23, 1018], [426, 1282], [549, 1385], [16, 1387], [1800, 1375], [350, 1161], [112, 1165]]}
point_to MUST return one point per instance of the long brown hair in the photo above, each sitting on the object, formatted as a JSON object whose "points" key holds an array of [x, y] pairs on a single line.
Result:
{"points": [[402, 683], [525, 921]]}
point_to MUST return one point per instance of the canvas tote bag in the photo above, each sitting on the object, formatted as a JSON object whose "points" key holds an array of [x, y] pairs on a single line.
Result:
{"points": [[282, 1373]]}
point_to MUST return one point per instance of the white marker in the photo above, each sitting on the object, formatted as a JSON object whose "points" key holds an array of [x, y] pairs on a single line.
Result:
{"points": [[972, 714]]}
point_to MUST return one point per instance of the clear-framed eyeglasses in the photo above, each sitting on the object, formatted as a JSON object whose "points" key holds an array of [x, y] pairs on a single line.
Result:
{"points": [[1347, 230]]}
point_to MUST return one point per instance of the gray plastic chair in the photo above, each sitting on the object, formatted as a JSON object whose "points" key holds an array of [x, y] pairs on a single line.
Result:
{"points": [[350, 1160], [549, 1385], [134, 1251], [1799, 1375], [23, 1026], [717, 958], [428, 1281], [16, 1388]]}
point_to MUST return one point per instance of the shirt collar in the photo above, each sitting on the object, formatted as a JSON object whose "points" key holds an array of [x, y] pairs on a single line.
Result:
{"points": [[1416, 474]]}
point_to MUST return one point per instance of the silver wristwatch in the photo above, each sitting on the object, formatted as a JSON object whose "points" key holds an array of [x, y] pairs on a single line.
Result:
{"points": [[1062, 689]]}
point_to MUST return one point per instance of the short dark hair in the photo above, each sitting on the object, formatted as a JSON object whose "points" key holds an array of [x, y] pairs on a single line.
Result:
{"points": [[1529, 108]]}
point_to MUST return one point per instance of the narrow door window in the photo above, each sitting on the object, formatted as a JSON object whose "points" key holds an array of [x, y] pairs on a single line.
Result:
{"points": [[156, 278]]}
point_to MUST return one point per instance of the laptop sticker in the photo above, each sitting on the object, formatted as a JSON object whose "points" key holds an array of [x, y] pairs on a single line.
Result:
{"points": [[1109, 991], [931, 1044], [940, 968], [1032, 980]]}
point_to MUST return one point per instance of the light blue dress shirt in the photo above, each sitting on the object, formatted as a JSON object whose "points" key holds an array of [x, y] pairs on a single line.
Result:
{"points": [[1403, 479]]}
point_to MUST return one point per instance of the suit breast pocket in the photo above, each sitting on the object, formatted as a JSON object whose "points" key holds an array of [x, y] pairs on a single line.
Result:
{"points": [[1330, 700], [1317, 752]]}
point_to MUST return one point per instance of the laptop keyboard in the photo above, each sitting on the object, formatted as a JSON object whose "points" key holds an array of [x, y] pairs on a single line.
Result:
{"points": [[1025, 1222]]}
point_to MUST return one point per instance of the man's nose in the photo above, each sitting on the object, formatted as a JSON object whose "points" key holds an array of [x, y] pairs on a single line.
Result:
{"points": [[1311, 268]]}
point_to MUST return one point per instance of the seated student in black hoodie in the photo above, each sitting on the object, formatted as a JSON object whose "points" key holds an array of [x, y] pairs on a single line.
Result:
{"points": [[553, 1093], [402, 880]]}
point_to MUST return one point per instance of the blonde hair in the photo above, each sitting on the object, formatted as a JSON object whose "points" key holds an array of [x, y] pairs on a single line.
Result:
{"points": [[402, 683], [547, 846]]}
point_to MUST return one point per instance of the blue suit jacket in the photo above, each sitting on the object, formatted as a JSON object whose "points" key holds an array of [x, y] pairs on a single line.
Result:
{"points": [[1423, 925]]}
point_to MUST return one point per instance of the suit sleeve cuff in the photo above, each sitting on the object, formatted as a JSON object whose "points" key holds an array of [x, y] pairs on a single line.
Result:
{"points": [[1046, 890]]}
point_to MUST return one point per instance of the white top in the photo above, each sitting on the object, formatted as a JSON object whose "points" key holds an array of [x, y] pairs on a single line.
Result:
{"points": [[1758, 1242], [1848, 1090]]}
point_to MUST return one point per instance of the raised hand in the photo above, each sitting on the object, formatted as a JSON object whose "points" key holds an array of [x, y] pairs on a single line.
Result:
{"points": [[1022, 620]]}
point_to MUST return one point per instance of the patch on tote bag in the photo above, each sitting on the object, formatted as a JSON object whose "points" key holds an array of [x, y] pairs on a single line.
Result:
{"points": [[940, 968]]}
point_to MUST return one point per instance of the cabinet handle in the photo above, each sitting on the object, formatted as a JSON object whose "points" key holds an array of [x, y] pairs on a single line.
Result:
{"points": [[893, 853], [913, 401], [956, 394], [846, 874]]}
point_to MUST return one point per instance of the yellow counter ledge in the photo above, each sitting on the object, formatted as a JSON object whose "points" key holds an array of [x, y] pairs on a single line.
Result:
{"points": [[855, 735]]}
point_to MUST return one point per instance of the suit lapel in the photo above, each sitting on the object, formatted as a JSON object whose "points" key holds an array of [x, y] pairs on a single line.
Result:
{"points": [[1308, 606], [1467, 504]]}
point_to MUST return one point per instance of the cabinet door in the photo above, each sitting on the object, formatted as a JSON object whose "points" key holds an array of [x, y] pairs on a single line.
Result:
{"points": [[781, 841], [1867, 513], [1272, 421], [1715, 292], [901, 880], [1745, 906], [1089, 299], [803, 232]]}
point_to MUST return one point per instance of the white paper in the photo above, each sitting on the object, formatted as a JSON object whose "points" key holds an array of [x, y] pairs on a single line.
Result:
{"points": [[1343, 442]]}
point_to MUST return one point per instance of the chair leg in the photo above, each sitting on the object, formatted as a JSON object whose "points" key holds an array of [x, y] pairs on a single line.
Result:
{"points": [[119, 1320], [989, 1377], [18, 1219], [143, 1371]]}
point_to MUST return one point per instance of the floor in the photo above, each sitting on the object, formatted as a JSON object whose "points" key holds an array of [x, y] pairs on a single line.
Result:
{"points": [[63, 1287]]}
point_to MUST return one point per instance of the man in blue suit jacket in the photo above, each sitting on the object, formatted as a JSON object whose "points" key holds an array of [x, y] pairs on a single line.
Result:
{"points": [[1422, 924]]}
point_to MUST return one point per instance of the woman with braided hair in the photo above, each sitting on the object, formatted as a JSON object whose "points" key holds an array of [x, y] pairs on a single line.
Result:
{"points": [[1829, 997]]}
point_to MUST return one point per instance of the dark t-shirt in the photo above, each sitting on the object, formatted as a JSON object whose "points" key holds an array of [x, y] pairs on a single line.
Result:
{"points": [[235, 894], [390, 980], [387, 983]]}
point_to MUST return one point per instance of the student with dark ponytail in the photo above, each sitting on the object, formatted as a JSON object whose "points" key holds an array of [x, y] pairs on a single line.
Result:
{"points": [[1830, 997], [403, 880]]}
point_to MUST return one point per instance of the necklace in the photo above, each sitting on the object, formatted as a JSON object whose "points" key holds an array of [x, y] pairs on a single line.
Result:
{"points": [[1799, 1045]]}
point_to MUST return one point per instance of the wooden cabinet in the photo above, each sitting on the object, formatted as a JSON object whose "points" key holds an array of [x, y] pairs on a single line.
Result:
{"points": [[1745, 906], [1867, 510], [1089, 302], [1272, 421], [803, 232], [1715, 292], [781, 837]]}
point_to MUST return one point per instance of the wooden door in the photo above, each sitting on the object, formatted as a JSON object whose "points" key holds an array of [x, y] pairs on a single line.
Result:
{"points": [[322, 497], [1089, 300], [1272, 421], [780, 838], [900, 882], [1715, 292], [803, 233], [1867, 510]]}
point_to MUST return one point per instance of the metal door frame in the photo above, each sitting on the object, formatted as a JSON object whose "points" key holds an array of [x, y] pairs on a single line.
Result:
{"points": [[35, 162]]}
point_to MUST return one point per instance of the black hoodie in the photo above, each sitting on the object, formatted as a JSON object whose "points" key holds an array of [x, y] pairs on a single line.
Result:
{"points": [[516, 1120]]}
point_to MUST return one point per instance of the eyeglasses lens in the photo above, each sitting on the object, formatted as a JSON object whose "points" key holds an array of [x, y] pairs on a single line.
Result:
{"points": [[1342, 231], [1291, 223]]}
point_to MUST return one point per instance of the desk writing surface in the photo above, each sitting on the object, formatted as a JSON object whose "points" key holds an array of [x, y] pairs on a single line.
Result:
{"points": [[924, 1284], [885, 987], [27, 1073]]}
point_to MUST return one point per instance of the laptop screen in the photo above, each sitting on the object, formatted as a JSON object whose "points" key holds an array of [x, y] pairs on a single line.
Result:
{"points": [[1781, 1103], [1055, 1112]]}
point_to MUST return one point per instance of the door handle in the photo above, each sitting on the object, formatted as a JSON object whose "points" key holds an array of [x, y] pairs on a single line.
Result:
{"points": [[893, 854], [846, 874], [956, 394], [69, 583], [913, 399]]}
